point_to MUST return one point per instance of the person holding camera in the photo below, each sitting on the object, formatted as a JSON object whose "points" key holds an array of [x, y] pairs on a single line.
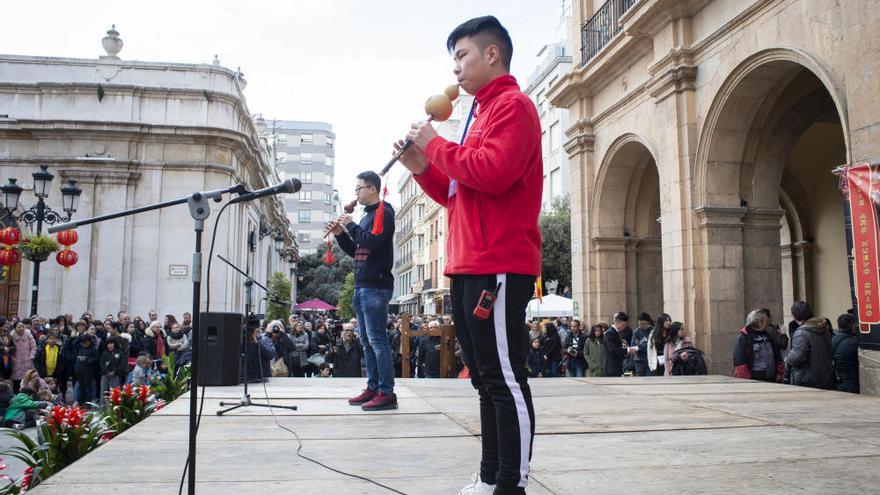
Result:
{"points": [[345, 357], [574, 347]]}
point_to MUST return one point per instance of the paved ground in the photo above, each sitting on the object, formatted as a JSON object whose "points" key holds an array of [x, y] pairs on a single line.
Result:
{"points": [[626, 435]]}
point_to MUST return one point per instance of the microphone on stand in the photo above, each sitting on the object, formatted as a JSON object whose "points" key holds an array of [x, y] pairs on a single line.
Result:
{"points": [[289, 186]]}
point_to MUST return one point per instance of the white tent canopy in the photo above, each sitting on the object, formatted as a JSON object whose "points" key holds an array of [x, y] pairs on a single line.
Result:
{"points": [[551, 306]]}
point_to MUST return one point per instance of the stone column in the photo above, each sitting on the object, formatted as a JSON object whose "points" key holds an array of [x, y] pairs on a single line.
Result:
{"points": [[610, 274], [719, 304], [762, 261], [579, 147]]}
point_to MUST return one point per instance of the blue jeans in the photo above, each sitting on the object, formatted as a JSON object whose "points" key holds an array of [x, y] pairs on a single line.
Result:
{"points": [[371, 309], [576, 367]]}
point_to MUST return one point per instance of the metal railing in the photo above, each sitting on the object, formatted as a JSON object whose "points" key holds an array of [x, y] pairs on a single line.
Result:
{"points": [[602, 27]]}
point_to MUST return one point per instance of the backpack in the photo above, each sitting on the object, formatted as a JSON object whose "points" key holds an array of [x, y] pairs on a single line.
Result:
{"points": [[695, 364]]}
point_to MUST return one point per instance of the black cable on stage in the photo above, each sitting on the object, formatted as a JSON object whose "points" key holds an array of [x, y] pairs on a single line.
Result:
{"points": [[207, 307]]}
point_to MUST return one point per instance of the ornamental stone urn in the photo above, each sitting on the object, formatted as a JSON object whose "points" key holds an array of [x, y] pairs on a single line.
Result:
{"points": [[112, 44]]}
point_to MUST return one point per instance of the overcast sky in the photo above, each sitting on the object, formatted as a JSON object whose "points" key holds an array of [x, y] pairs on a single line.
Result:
{"points": [[366, 67]]}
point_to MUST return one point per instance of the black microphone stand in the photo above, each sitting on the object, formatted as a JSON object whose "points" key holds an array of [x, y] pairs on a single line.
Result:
{"points": [[245, 400], [199, 209]]}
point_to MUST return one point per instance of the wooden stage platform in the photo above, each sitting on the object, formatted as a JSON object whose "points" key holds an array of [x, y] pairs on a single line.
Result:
{"points": [[617, 436]]}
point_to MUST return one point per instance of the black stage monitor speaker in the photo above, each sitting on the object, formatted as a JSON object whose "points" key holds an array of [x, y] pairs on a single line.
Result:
{"points": [[220, 348]]}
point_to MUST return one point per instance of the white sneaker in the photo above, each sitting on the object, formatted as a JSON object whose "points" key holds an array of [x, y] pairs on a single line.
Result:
{"points": [[477, 487]]}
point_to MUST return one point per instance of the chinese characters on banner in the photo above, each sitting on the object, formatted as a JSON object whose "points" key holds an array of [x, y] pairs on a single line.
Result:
{"points": [[860, 184]]}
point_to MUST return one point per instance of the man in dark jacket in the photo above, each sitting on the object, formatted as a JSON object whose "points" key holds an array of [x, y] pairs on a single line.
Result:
{"points": [[371, 244], [615, 351], [810, 356], [845, 350], [574, 347], [346, 356], [755, 355]]}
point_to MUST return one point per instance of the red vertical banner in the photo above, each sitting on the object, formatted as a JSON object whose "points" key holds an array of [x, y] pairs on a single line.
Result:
{"points": [[863, 184]]}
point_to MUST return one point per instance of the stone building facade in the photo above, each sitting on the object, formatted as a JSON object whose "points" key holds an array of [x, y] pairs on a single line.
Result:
{"points": [[703, 134], [133, 134]]}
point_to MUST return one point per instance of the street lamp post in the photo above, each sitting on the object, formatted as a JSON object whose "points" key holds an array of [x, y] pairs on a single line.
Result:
{"points": [[40, 213]]}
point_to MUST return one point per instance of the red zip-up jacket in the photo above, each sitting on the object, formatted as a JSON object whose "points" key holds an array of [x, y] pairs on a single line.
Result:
{"points": [[494, 201]]}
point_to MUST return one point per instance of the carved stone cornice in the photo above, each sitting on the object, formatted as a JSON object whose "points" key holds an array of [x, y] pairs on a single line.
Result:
{"points": [[580, 138], [719, 216], [110, 177]]}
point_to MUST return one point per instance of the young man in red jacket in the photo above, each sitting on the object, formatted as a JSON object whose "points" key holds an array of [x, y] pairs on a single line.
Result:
{"points": [[491, 187]]}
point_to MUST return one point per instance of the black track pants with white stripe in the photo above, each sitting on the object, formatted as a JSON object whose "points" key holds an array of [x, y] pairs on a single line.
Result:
{"points": [[495, 351]]}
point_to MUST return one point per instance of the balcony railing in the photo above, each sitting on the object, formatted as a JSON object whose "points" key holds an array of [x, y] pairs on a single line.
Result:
{"points": [[602, 27], [403, 260]]}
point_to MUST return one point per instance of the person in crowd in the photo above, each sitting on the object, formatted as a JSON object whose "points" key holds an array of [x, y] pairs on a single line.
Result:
{"points": [[429, 352], [845, 351], [85, 368], [259, 353], [676, 334], [800, 313], [687, 360], [535, 331], [179, 344], [641, 340], [49, 359], [776, 334], [299, 359], [658, 337], [809, 360], [536, 362], [616, 349], [594, 351], [347, 355], [23, 410], [755, 356], [186, 325], [563, 329], [7, 353], [24, 352], [155, 340], [114, 366], [552, 350], [143, 373], [33, 381], [574, 348], [281, 342]]}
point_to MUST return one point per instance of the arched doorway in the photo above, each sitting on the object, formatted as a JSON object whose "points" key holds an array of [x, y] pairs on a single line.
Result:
{"points": [[771, 214], [626, 232]]}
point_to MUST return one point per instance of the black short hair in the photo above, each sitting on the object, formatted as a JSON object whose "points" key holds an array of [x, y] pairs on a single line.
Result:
{"points": [[485, 31], [644, 317], [621, 316], [846, 322], [801, 311], [371, 178]]}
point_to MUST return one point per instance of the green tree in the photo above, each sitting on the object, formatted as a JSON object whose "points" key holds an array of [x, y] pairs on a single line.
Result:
{"points": [[556, 243], [346, 310], [319, 280], [280, 286]]}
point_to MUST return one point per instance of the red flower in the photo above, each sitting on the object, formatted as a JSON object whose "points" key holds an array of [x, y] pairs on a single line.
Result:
{"points": [[75, 417], [26, 479], [143, 392], [107, 436], [129, 389], [58, 413], [114, 396], [159, 405]]}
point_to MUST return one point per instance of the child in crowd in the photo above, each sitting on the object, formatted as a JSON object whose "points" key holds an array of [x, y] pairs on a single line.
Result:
{"points": [[536, 362], [142, 373], [23, 411]]}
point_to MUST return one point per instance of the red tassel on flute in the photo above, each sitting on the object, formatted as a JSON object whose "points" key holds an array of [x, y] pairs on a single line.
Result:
{"points": [[379, 218], [329, 259]]}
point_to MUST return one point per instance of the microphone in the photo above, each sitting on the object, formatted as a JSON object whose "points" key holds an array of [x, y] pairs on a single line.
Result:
{"points": [[289, 186]]}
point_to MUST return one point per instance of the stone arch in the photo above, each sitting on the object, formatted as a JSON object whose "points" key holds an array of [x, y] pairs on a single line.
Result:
{"points": [[625, 234], [757, 168], [750, 90]]}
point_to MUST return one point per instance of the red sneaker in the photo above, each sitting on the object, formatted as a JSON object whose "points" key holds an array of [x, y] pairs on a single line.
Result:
{"points": [[381, 402], [366, 396]]}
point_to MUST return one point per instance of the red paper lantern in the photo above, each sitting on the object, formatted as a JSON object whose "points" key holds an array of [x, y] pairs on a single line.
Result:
{"points": [[9, 257], [67, 258], [13, 236], [68, 237]]}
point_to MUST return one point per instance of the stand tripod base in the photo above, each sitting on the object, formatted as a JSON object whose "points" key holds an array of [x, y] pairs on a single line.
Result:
{"points": [[246, 401]]}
